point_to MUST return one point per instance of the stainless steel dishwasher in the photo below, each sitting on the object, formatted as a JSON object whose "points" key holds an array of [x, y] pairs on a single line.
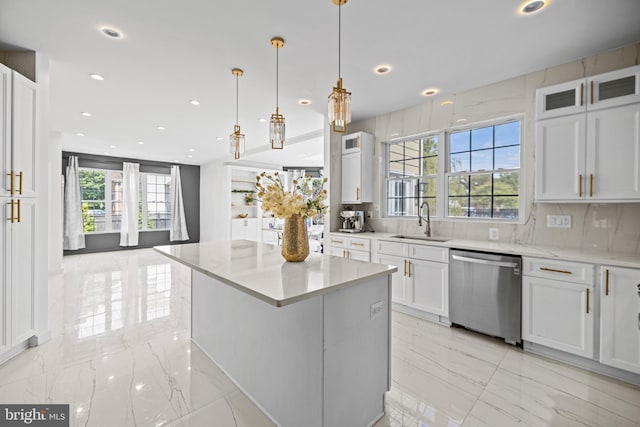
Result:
{"points": [[485, 293]]}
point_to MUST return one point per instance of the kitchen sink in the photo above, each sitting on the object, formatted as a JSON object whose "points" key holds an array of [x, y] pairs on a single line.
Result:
{"points": [[422, 237]]}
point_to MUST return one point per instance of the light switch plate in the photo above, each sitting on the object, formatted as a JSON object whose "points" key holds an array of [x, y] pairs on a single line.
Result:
{"points": [[559, 221], [494, 234]]}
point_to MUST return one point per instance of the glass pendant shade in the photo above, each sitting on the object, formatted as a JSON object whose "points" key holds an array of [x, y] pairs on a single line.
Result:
{"points": [[339, 108], [236, 142], [276, 131]]}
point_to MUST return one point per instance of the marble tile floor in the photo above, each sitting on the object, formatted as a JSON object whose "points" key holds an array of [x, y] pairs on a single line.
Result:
{"points": [[120, 355]]}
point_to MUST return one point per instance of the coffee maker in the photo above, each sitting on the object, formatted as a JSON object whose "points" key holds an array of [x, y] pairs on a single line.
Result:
{"points": [[352, 221]]}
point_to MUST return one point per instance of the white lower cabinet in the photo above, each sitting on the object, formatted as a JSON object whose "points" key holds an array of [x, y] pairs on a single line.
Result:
{"points": [[620, 318], [18, 280], [422, 279], [558, 305], [398, 288], [244, 229], [350, 247]]}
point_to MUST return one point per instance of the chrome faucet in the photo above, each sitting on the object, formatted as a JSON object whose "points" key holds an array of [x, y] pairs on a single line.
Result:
{"points": [[427, 230]]}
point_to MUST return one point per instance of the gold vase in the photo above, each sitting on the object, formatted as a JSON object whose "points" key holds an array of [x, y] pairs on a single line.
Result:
{"points": [[295, 240]]}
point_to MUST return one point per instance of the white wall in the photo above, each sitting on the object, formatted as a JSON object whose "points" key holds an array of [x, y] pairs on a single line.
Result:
{"points": [[603, 227], [53, 152], [214, 187]]}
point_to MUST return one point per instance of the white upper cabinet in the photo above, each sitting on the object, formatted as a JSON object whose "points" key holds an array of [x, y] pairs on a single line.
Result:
{"points": [[357, 168], [594, 155], [613, 154], [620, 318], [18, 109], [620, 87]]}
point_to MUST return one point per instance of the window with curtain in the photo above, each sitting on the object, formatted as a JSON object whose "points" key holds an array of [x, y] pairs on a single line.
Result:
{"points": [[483, 177], [411, 175], [102, 201]]}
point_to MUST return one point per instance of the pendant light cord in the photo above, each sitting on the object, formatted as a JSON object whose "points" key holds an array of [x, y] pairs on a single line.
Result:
{"points": [[277, 70], [339, 36], [236, 100]]}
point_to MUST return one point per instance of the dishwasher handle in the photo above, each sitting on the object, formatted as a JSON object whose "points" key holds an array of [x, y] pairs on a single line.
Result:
{"points": [[485, 261]]}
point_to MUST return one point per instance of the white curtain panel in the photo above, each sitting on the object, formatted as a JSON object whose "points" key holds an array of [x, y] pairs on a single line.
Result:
{"points": [[130, 201], [73, 238], [178, 230]]}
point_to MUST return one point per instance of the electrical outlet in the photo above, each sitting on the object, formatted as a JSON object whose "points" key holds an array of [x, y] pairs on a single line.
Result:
{"points": [[376, 309], [494, 234], [369, 214], [559, 221]]}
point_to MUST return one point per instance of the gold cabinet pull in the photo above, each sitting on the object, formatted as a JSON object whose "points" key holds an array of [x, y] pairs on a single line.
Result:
{"points": [[587, 300], [358, 141], [581, 94], [12, 187], [344, 253], [592, 91], [337, 241], [357, 193], [20, 186], [409, 262], [606, 282], [553, 270], [18, 210], [580, 185], [591, 185], [405, 265], [357, 244], [12, 218]]}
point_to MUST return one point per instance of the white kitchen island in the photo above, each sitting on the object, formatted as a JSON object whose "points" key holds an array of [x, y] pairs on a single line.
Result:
{"points": [[308, 342]]}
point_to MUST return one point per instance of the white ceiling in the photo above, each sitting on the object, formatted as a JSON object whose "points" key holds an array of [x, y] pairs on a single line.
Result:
{"points": [[174, 51]]}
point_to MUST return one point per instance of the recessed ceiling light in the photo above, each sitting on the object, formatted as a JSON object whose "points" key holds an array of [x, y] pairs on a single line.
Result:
{"points": [[262, 120], [304, 101], [429, 92], [160, 127], [393, 135], [447, 102], [194, 102], [140, 142], [382, 69], [189, 156], [112, 146], [79, 134], [461, 120], [106, 153], [192, 149], [531, 6], [111, 32], [176, 161], [95, 76], [84, 113], [219, 138]]}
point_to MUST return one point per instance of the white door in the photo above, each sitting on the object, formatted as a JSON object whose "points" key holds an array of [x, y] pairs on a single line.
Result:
{"points": [[351, 178], [5, 276], [24, 133], [620, 87], [5, 129], [555, 314], [613, 153], [398, 286], [429, 289], [560, 158], [620, 318], [23, 246], [561, 100]]}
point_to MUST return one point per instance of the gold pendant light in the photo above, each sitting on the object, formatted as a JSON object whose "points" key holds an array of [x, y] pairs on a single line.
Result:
{"points": [[276, 125], [339, 99], [236, 139]]}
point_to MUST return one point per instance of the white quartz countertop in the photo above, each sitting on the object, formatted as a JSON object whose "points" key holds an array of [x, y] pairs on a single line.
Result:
{"points": [[568, 254], [259, 269]]}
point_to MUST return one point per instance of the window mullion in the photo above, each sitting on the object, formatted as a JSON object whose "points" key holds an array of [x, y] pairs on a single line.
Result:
{"points": [[143, 197], [107, 201]]}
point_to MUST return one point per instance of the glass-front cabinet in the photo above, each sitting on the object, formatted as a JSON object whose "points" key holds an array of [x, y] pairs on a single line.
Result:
{"points": [[605, 90]]}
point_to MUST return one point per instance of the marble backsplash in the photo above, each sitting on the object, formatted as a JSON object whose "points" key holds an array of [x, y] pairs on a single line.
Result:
{"points": [[611, 228]]}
